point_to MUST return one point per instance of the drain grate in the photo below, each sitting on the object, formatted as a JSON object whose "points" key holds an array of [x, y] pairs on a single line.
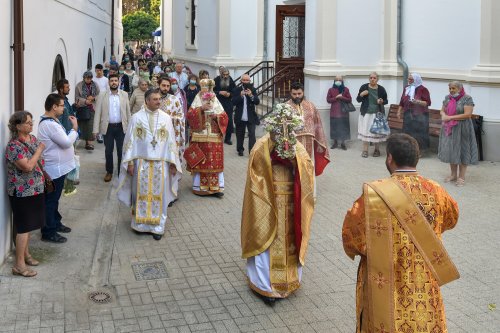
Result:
{"points": [[100, 297], [150, 271]]}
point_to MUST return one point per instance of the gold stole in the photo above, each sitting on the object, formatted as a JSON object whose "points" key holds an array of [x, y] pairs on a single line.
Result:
{"points": [[283, 252], [149, 202], [383, 199]]}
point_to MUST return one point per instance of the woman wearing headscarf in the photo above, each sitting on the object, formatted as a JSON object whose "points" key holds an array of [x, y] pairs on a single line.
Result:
{"points": [[339, 121], [414, 103], [457, 141], [86, 92]]}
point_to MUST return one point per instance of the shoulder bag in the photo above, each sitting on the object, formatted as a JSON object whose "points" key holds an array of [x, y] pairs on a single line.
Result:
{"points": [[346, 107]]}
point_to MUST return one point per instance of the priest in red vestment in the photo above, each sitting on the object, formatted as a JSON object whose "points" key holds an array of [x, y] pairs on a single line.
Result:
{"points": [[312, 136]]}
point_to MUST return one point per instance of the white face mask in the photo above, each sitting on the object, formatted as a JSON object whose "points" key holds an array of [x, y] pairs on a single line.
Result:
{"points": [[455, 95], [338, 83]]}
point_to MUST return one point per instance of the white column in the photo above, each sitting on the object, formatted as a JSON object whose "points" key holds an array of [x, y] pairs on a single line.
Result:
{"points": [[166, 27], [224, 32], [260, 30], [389, 19], [489, 67], [321, 28]]}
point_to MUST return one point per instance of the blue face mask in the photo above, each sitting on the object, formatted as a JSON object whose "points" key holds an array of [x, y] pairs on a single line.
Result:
{"points": [[192, 82], [338, 83], [174, 87]]}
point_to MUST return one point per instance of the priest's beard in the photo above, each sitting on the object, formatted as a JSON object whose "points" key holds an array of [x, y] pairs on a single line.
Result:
{"points": [[297, 100], [224, 83]]}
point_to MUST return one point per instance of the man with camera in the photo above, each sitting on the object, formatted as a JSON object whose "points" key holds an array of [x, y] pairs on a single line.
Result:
{"points": [[245, 99]]}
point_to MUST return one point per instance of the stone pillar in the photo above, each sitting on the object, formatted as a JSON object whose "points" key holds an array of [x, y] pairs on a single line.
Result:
{"points": [[224, 33], [321, 58], [389, 21], [166, 27], [488, 70]]}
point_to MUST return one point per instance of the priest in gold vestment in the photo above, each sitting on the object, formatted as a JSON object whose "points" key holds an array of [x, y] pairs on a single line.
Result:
{"points": [[150, 167], [395, 227], [277, 208]]}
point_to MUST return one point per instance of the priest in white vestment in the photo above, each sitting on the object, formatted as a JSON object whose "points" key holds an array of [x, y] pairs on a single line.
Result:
{"points": [[150, 167]]}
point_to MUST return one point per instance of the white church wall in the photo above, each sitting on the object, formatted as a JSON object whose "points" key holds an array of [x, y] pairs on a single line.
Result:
{"points": [[441, 35], [358, 32], [7, 107]]}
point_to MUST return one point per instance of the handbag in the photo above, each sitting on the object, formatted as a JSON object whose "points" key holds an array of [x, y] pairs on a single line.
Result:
{"points": [[48, 183], [346, 107], [380, 125], [83, 112]]}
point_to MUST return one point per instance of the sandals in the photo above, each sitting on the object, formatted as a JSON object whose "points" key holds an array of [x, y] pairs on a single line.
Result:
{"points": [[460, 182], [376, 153], [450, 179], [26, 272], [364, 154], [89, 147], [30, 261]]}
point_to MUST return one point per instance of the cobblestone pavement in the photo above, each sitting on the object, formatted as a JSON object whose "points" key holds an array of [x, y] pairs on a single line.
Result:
{"points": [[203, 288]]}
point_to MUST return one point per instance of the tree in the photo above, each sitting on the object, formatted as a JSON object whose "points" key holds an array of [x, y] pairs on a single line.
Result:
{"points": [[138, 26], [149, 6]]}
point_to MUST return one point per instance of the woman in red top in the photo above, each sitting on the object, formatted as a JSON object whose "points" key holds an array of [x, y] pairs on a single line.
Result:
{"points": [[415, 103], [339, 121]]}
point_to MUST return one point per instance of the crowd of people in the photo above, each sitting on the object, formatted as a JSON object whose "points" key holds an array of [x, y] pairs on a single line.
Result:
{"points": [[164, 121]]}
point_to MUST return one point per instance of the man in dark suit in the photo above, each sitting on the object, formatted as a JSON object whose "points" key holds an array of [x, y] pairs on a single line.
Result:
{"points": [[224, 85], [245, 99]]}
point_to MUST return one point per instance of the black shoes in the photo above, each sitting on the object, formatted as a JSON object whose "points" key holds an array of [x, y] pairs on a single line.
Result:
{"points": [[219, 195], [343, 146], [240, 153], [228, 142], [55, 238], [64, 229], [335, 145], [157, 237]]}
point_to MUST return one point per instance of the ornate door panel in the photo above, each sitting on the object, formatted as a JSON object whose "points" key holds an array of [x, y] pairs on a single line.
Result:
{"points": [[290, 46]]}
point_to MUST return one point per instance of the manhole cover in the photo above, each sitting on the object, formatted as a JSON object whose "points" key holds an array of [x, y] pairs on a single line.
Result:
{"points": [[150, 271], [100, 297]]}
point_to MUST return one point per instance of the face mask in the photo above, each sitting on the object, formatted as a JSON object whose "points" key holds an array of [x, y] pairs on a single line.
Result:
{"points": [[120, 72], [129, 67], [455, 95], [126, 59], [297, 100], [192, 82], [174, 87], [338, 83]]}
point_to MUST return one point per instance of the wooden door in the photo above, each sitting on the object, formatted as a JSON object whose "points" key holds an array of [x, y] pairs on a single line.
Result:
{"points": [[290, 47]]}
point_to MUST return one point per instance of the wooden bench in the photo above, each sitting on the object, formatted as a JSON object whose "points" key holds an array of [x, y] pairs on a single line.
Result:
{"points": [[396, 124]]}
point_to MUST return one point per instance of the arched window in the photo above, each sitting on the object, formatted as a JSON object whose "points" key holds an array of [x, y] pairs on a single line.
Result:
{"points": [[89, 60], [57, 71], [104, 55]]}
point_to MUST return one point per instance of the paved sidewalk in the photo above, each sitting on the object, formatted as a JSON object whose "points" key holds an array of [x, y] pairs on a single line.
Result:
{"points": [[196, 275]]}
